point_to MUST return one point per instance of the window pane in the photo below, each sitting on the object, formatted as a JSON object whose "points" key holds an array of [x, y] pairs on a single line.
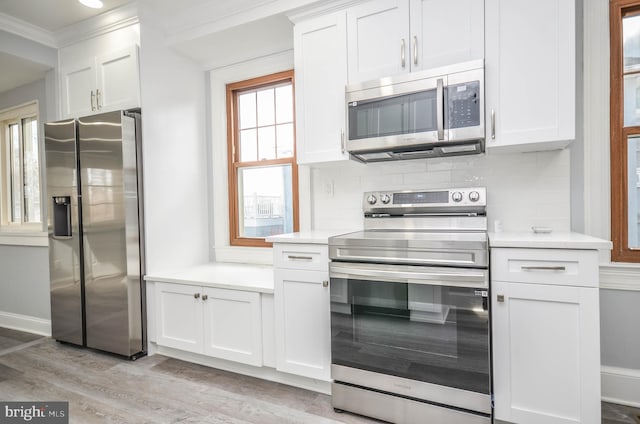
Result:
{"points": [[265, 107], [631, 100], [284, 104], [31, 170], [16, 183], [267, 143], [265, 201], [633, 196], [631, 42], [247, 110], [285, 140], [248, 146]]}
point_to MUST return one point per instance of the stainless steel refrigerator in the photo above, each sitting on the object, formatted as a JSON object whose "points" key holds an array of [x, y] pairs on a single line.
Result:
{"points": [[95, 224]]}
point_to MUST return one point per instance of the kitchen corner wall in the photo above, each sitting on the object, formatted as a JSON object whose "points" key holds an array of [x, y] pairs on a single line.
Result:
{"points": [[523, 189]]}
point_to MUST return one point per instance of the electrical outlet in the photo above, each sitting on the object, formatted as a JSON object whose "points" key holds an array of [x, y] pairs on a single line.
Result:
{"points": [[328, 188]]}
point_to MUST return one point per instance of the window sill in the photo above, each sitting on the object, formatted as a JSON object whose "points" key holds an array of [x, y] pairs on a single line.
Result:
{"points": [[24, 238], [620, 276], [246, 255]]}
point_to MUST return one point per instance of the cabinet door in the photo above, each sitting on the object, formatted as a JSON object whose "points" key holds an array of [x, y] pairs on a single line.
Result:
{"points": [[530, 74], [303, 343], [320, 56], [446, 32], [378, 39], [232, 325], [179, 316], [546, 354], [118, 80], [78, 85]]}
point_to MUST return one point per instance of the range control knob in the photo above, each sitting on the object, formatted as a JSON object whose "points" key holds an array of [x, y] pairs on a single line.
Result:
{"points": [[385, 198], [372, 199], [456, 196], [474, 196]]}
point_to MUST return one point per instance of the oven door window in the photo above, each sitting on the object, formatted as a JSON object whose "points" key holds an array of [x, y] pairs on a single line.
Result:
{"points": [[431, 333]]}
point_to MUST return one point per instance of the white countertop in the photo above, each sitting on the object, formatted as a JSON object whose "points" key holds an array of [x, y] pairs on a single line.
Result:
{"points": [[225, 275], [554, 240], [313, 236]]}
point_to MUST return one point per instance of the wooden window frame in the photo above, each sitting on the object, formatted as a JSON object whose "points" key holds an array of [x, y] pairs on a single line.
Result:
{"points": [[621, 252], [233, 155]]}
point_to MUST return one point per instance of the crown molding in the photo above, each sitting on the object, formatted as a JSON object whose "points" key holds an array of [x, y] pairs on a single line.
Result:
{"points": [[319, 8], [29, 31], [104, 23]]}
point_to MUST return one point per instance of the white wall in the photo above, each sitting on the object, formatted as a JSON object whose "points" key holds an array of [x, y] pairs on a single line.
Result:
{"points": [[523, 190], [174, 154], [24, 270]]}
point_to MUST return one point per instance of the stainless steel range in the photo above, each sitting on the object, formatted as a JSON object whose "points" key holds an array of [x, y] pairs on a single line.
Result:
{"points": [[409, 309]]}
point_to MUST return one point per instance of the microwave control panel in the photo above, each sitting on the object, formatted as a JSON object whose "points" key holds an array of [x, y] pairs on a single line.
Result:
{"points": [[464, 104]]}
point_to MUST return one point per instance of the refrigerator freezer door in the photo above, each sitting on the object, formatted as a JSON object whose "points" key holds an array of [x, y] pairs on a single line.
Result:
{"points": [[111, 233], [64, 238]]}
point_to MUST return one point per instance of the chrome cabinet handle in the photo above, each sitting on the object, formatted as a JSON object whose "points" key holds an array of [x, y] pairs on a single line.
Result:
{"points": [[493, 124], [500, 298], [543, 268], [402, 61], [205, 297], [342, 141], [415, 50], [98, 103], [301, 258], [325, 283], [93, 100], [440, 108], [196, 295]]}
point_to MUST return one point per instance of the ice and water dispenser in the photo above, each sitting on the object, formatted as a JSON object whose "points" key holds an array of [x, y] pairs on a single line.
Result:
{"points": [[62, 216]]}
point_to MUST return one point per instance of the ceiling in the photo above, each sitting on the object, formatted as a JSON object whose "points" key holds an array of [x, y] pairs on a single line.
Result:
{"points": [[54, 15]]}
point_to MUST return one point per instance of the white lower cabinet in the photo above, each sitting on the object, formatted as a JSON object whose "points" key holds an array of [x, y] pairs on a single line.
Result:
{"points": [[302, 308], [217, 322], [546, 338]]}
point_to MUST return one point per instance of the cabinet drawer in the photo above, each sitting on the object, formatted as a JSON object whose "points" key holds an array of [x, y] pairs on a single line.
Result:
{"points": [[301, 256], [546, 266]]}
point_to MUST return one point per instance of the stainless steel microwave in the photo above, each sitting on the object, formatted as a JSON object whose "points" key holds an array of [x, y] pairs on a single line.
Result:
{"points": [[431, 113]]}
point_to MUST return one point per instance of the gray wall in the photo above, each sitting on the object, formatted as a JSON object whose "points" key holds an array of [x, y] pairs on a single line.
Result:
{"points": [[24, 270], [619, 331], [24, 281]]}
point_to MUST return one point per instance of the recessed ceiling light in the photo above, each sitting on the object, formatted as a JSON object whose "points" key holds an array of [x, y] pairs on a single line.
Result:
{"points": [[94, 4]]}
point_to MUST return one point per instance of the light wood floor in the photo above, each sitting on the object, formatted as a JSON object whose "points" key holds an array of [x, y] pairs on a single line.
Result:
{"points": [[105, 389]]}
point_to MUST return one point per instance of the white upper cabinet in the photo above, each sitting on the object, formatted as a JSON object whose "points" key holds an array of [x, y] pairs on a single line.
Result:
{"points": [[378, 39], [117, 80], [391, 37], [320, 56], [78, 87], [446, 32], [100, 74], [530, 74]]}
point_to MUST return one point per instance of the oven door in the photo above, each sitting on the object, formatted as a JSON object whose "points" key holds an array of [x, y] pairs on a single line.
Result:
{"points": [[416, 331]]}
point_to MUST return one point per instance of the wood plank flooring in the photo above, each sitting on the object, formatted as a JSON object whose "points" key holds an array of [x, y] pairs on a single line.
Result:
{"points": [[104, 389]]}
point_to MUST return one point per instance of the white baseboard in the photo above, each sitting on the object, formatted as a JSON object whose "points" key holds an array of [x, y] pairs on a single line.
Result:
{"points": [[621, 386], [264, 373], [25, 323]]}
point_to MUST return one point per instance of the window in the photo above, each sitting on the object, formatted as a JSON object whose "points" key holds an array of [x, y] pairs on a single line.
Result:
{"points": [[20, 165], [263, 175]]}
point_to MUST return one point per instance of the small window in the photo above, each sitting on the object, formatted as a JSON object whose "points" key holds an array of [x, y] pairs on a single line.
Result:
{"points": [[263, 175], [20, 158]]}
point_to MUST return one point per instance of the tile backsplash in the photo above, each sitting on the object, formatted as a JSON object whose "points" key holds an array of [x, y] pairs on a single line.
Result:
{"points": [[523, 189]]}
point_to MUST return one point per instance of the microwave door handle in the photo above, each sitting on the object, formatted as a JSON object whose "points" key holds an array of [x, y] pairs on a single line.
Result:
{"points": [[440, 109]]}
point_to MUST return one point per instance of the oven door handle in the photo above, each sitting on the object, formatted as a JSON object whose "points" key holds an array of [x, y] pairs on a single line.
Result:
{"points": [[407, 274]]}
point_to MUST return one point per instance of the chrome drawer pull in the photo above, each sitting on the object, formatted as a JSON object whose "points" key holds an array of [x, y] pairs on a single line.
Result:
{"points": [[544, 268], [301, 258]]}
